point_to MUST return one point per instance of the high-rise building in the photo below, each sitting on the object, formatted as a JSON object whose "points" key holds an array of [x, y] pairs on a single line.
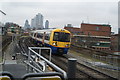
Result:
{"points": [[26, 24], [37, 21], [46, 24], [32, 23]]}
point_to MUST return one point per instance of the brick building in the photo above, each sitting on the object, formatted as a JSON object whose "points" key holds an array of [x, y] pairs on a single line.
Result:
{"points": [[74, 30], [94, 42], [115, 43], [91, 29], [96, 29], [96, 36]]}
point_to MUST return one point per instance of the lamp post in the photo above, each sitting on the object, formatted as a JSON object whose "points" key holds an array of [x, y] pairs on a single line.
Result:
{"points": [[1, 42], [2, 12]]}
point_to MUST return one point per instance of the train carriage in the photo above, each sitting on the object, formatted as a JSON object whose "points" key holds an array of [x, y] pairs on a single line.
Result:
{"points": [[57, 39]]}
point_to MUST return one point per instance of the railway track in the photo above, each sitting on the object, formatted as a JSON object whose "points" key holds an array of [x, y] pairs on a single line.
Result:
{"points": [[82, 72], [91, 51], [62, 62], [24, 43], [92, 72], [5, 42]]}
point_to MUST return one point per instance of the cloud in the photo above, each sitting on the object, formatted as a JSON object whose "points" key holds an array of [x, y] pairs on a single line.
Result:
{"points": [[61, 13]]}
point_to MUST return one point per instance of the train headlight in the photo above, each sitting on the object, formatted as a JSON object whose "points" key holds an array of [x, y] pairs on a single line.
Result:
{"points": [[54, 44], [67, 45]]}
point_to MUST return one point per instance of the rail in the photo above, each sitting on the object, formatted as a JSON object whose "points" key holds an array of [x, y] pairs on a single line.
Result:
{"points": [[50, 74], [34, 63]]}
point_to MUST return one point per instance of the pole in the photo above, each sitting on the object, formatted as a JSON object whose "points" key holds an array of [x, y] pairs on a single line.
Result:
{"points": [[71, 68], [28, 67], [2, 12]]}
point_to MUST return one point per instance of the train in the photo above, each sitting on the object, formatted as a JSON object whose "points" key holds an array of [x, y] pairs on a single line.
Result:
{"points": [[57, 39]]}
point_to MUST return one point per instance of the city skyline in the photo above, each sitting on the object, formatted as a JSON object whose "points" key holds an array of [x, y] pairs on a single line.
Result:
{"points": [[60, 14]]}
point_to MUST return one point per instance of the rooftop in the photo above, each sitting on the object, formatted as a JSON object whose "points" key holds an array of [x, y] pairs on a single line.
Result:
{"points": [[97, 24]]}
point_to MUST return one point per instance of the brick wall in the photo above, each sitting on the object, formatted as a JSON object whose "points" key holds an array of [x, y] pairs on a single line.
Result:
{"points": [[74, 30], [91, 29], [115, 42], [96, 30]]}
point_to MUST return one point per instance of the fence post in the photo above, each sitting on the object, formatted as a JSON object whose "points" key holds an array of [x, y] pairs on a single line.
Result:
{"points": [[28, 67], [71, 67], [50, 55]]}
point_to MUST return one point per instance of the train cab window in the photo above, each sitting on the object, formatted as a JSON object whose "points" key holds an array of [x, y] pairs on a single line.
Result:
{"points": [[61, 36], [56, 36]]}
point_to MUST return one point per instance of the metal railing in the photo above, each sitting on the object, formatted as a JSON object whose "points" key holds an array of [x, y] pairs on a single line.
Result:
{"points": [[40, 76], [38, 63]]}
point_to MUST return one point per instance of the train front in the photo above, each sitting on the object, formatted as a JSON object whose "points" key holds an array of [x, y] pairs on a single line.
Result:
{"points": [[60, 41]]}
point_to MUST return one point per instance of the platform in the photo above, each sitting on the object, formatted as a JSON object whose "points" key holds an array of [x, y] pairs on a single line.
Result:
{"points": [[17, 70], [11, 65]]}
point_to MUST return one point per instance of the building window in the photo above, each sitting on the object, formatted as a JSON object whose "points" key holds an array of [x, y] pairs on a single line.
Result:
{"points": [[97, 28]]}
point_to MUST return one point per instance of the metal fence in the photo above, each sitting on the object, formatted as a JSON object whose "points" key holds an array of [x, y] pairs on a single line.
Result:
{"points": [[37, 63]]}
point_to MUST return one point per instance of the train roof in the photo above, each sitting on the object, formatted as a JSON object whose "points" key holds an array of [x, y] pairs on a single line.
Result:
{"points": [[49, 30], [44, 30]]}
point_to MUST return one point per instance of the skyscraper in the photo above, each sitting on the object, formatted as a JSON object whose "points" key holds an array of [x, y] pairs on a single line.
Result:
{"points": [[37, 21], [46, 24], [32, 23], [26, 24]]}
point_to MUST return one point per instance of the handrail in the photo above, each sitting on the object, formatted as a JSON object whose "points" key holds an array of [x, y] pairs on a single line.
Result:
{"points": [[47, 61], [37, 64], [32, 58], [48, 74], [42, 49], [32, 66]]}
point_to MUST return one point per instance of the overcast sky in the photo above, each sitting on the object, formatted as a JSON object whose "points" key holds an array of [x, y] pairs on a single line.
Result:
{"points": [[62, 13]]}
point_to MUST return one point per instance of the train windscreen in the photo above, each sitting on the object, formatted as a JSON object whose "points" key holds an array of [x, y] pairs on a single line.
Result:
{"points": [[61, 36]]}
